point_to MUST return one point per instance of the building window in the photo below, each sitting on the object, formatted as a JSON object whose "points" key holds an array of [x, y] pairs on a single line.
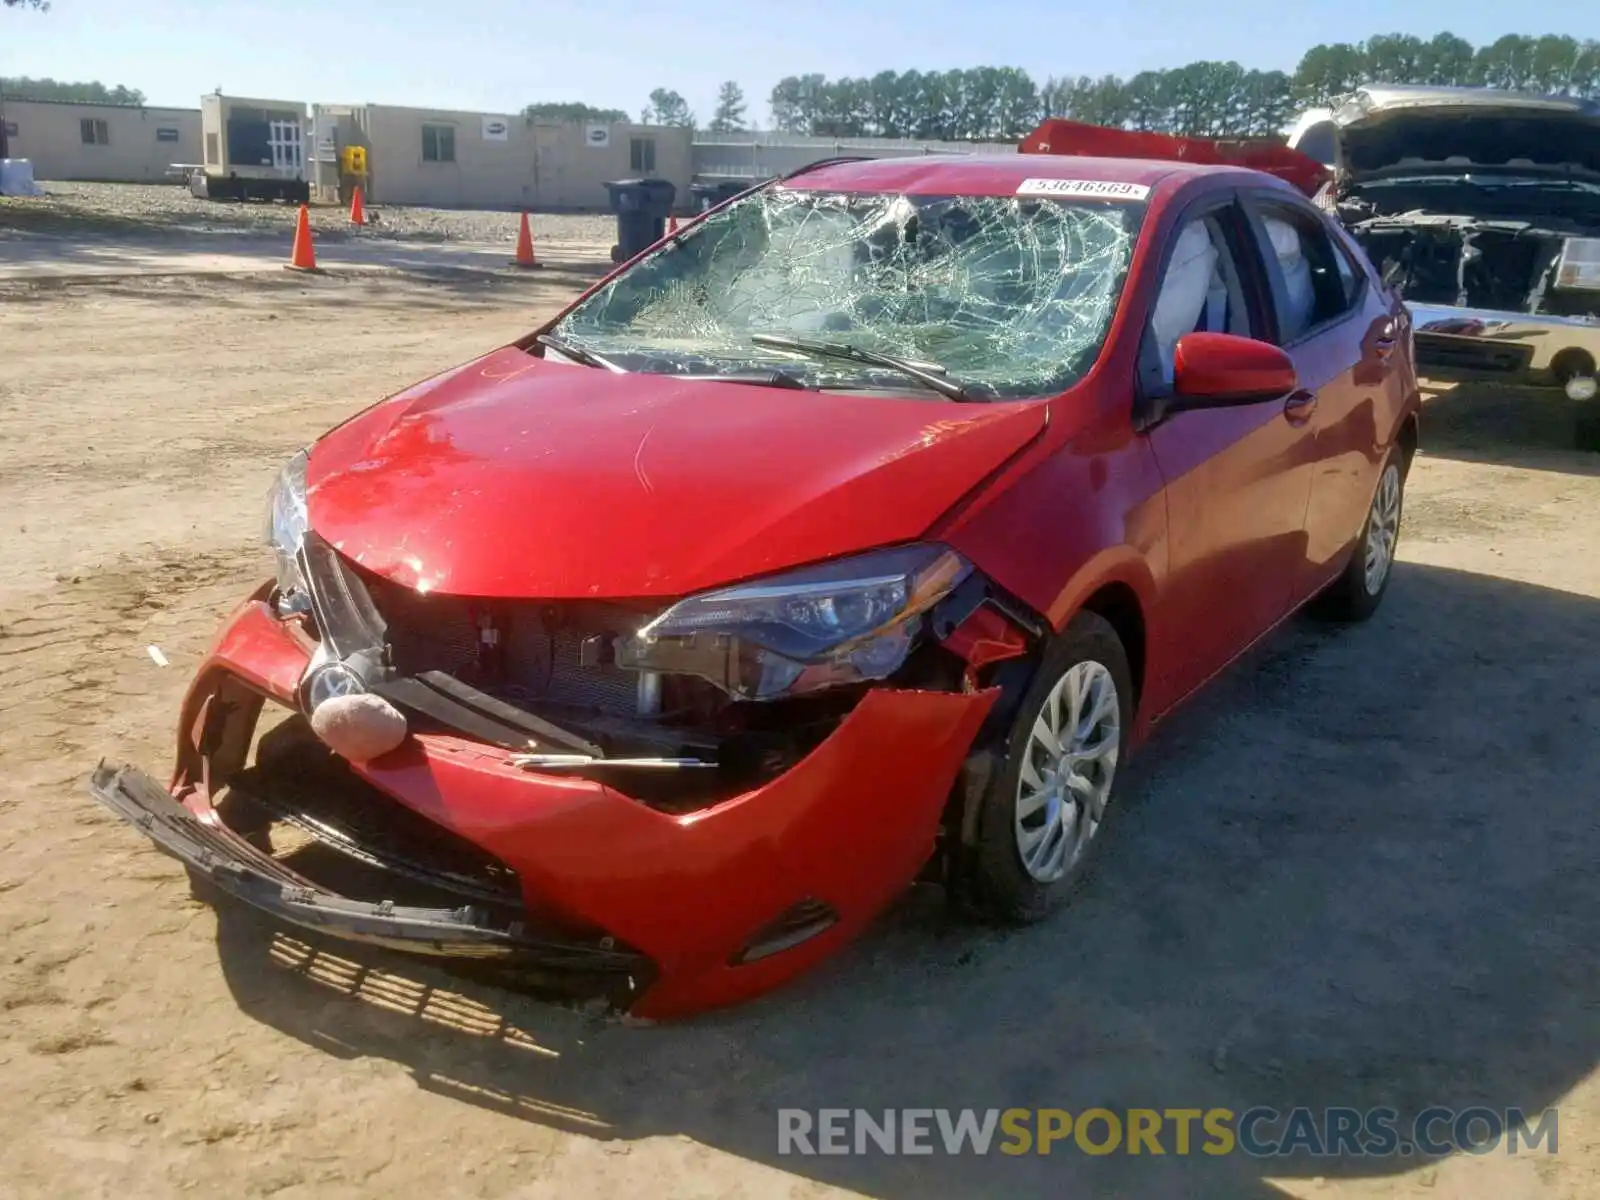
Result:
{"points": [[166, 133], [439, 143], [642, 155], [94, 132]]}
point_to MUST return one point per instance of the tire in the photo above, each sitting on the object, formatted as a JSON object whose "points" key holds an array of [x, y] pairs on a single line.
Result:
{"points": [[999, 885], [1356, 594]]}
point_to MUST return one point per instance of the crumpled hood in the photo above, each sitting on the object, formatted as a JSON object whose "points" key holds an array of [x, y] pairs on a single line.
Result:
{"points": [[1430, 130], [516, 477]]}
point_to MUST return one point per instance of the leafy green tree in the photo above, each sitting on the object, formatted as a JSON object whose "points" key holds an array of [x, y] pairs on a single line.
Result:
{"points": [[1016, 105], [1327, 72], [1553, 63], [785, 105], [1210, 99], [1394, 58], [24, 88], [1504, 63], [667, 108], [729, 114], [1447, 61], [551, 111]]}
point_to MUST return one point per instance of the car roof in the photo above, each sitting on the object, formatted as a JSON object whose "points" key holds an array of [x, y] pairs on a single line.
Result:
{"points": [[992, 174]]}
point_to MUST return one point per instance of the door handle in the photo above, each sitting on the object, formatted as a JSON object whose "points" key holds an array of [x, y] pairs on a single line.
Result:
{"points": [[1299, 406]]}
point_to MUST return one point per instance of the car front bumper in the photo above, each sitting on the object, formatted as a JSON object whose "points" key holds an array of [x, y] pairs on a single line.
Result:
{"points": [[1519, 348], [675, 901]]}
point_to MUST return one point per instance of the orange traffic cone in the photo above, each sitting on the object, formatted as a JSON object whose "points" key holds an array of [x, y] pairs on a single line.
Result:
{"points": [[302, 257], [358, 210], [672, 225], [525, 256]]}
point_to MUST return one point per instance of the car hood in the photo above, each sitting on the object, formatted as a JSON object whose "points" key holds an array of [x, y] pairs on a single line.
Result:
{"points": [[516, 477], [1383, 131]]}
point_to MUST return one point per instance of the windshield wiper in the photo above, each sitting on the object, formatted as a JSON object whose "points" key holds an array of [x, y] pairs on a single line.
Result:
{"points": [[577, 353], [923, 374], [777, 379]]}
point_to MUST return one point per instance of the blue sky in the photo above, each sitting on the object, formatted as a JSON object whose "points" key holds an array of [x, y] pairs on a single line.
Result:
{"points": [[497, 55]]}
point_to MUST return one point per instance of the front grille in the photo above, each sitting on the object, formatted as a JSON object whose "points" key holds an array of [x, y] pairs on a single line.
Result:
{"points": [[561, 677], [540, 644]]}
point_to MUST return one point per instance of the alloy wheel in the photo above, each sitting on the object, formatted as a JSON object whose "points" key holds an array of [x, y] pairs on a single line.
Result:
{"points": [[1383, 530], [1069, 762]]}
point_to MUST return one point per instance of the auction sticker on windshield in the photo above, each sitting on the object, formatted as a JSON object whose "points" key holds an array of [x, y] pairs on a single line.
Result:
{"points": [[1101, 189]]}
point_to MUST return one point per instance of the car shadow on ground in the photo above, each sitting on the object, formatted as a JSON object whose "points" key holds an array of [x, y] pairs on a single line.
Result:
{"points": [[1358, 873], [1514, 426]]}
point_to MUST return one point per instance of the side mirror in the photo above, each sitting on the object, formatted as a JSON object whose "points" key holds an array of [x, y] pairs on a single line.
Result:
{"points": [[1212, 370]]}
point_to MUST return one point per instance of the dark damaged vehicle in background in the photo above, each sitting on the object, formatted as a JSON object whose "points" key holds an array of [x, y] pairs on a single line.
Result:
{"points": [[1482, 208], [858, 530]]}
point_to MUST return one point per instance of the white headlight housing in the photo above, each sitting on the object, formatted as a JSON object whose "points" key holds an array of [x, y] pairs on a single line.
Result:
{"points": [[1579, 269], [287, 523], [848, 621]]}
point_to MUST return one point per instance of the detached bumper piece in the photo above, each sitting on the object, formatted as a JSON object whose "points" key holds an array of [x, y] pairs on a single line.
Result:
{"points": [[206, 846]]}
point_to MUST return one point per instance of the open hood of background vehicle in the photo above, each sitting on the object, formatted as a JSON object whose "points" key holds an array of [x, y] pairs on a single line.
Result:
{"points": [[1057, 136], [517, 477], [1392, 129]]}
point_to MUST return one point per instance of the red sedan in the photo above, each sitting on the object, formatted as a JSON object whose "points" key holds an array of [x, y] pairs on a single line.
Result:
{"points": [[857, 532]]}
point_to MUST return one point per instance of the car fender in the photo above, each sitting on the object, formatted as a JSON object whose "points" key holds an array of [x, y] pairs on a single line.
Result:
{"points": [[1066, 522], [1114, 565]]}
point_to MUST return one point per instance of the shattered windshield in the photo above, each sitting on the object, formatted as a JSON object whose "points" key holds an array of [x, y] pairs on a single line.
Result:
{"points": [[1006, 296]]}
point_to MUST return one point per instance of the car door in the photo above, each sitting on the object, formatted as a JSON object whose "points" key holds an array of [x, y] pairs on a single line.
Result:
{"points": [[1332, 320], [1237, 478]]}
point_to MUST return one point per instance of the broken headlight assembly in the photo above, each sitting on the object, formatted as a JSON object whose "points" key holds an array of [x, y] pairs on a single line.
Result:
{"points": [[850, 621], [1579, 269], [287, 523]]}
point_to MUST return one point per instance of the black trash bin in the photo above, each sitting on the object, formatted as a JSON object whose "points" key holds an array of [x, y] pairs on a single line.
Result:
{"points": [[709, 195], [642, 207]]}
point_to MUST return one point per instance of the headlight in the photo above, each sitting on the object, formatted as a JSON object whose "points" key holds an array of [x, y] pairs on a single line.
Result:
{"points": [[286, 529], [1580, 264], [843, 622]]}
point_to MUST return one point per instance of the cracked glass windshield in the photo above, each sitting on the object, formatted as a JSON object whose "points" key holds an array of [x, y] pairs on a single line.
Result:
{"points": [[1005, 296]]}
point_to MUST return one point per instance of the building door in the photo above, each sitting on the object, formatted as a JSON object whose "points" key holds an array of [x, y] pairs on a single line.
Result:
{"points": [[288, 151]]}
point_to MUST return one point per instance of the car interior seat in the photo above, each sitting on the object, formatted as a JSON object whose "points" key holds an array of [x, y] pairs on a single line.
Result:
{"points": [[1297, 278], [1186, 291]]}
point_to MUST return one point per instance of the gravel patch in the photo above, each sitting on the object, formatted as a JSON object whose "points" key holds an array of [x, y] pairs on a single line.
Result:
{"points": [[167, 209]]}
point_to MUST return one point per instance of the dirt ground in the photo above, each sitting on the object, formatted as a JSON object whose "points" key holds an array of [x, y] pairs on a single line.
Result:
{"points": [[1360, 872]]}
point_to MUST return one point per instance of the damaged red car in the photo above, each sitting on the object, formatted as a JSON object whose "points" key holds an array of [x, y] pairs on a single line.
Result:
{"points": [[855, 533]]}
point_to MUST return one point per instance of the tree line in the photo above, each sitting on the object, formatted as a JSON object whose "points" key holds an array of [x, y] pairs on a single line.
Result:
{"points": [[1212, 99], [23, 88]]}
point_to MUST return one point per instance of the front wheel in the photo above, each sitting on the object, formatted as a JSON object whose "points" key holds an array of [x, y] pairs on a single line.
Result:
{"points": [[1356, 594], [1046, 807]]}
